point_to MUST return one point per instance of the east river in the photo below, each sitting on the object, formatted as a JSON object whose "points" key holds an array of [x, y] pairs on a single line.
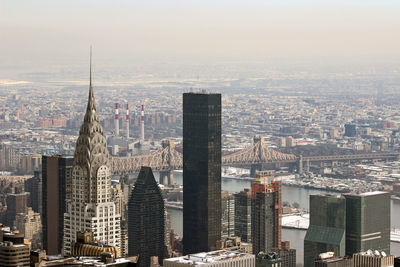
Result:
{"points": [[291, 195]]}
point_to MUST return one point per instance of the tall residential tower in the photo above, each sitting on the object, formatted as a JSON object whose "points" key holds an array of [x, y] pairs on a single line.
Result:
{"points": [[91, 207], [146, 221], [266, 212]]}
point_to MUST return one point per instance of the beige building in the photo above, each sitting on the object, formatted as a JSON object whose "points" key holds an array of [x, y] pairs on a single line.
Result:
{"points": [[30, 225], [372, 259], [219, 258], [91, 207]]}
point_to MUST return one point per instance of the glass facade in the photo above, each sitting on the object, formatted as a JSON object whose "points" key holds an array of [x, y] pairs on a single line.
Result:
{"points": [[367, 222], [243, 215], [201, 171], [146, 221], [327, 227]]}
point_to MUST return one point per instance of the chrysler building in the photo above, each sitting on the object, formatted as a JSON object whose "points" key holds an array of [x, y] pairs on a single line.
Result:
{"points": [[91, 207]]}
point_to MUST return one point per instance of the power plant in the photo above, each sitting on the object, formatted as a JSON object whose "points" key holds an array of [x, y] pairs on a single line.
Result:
{"points": [[122, 143]]}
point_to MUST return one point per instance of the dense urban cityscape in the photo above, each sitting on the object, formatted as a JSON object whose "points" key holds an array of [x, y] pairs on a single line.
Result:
{"points": [[251, 162]]}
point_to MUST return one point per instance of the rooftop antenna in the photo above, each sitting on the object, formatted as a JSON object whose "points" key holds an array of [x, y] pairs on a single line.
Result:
{"points": [[90, 66]]}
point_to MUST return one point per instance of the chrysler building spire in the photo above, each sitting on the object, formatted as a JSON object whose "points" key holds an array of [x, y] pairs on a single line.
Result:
{"points": [[91, 207]]}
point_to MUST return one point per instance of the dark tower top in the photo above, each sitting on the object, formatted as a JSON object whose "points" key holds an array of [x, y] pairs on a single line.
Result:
{"points": [[201, 171], [146, 221]]}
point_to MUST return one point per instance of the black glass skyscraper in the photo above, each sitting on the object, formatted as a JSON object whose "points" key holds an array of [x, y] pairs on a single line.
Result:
{"points": [[146, 219], [201, 171]]}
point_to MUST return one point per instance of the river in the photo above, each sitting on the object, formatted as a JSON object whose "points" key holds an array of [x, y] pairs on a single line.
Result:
{"points": [[290, 194]]}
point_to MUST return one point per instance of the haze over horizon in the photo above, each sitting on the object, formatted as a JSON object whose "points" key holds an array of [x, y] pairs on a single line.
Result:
{"points": [[45, 33]]}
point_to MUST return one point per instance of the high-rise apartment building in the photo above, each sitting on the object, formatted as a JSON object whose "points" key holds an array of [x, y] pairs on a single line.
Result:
{"points": [[367, 222], [227, 215], [56, 174], [91, 207], [327, 227], [266, 213], [243, 215], [146, 220], [34, 187], [30, 225], [201, 171], [16, 203]]}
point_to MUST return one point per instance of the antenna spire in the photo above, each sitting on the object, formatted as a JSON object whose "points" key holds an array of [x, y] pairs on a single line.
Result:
{"points": [[90, 66]]}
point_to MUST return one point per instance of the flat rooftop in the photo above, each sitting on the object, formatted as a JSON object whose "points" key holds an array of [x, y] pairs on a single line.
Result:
{"points": [[208, 257], [366, 194]]}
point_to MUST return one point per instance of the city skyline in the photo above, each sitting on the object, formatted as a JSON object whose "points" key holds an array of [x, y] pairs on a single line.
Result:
{"points": [[229, 133]]}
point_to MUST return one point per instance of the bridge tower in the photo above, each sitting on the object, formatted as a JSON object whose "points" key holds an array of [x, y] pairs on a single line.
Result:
{"points": [[259, 147], [168, 173]]}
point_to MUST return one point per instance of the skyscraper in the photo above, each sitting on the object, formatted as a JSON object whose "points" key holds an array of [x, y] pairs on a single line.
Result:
{"points": [[350, 130], [227, 215], [243, 215], [201, 171], [34, 187], [146, 220], [266, 212], [367, 222], [327, 227], [16, 203], [91, 207], [56, 174]]}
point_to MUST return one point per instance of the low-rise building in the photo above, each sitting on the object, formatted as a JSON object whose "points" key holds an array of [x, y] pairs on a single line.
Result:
{"points": [[218, 258], [373, 259]]}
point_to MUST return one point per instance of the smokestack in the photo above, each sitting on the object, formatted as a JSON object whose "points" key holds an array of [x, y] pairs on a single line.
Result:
{"points": [[127, 121], [142, 125], [116, 120]]}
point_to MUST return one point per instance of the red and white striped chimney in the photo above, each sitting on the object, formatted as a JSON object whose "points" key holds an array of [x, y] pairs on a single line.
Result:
{"points": [[116, 120], [142, 125], [127, 121]]}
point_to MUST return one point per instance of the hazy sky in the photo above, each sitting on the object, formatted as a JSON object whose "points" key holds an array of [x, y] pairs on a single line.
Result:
{"points": [[62, 30]]}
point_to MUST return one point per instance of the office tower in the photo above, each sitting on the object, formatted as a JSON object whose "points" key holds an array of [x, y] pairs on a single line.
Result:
{"points": [[372, 259], [16, 203], [91, 207], [227, 215], [266, 212], [286, 254], [367, 222], [201, 171], [350, 130], [146, 221], [14, 251], [271, 259], [34, 187], [243, 215], [219, 258], [56, 171], [30, 225], [327, 227]]}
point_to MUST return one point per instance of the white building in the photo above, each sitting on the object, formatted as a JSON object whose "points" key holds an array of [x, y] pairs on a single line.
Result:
{"points": [[219, 258], [91, 207]]}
